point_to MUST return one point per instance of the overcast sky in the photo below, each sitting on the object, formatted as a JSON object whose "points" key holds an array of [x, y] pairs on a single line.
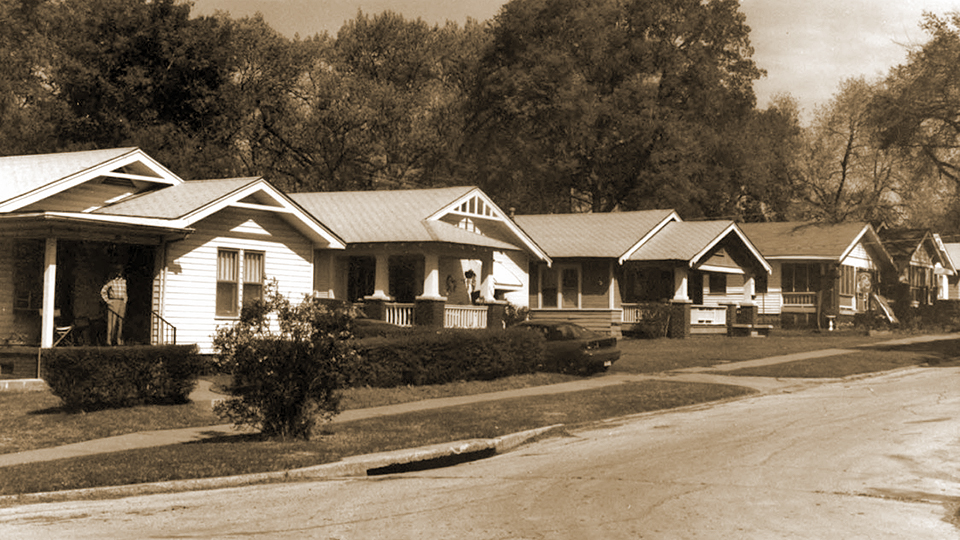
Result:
{"points": [[806, 46]]}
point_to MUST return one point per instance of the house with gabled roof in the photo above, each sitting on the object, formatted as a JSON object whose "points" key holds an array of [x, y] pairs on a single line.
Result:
{"points": [[441, 257], [193, 251], [921, 260], [823, 274], [951, 289], [608, 268]]}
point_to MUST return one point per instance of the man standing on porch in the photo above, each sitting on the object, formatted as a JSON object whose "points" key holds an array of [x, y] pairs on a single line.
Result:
{"points": [[114, 294]]}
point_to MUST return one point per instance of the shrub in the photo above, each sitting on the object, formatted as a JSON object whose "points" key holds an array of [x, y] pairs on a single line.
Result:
{"points": [[445, 356], [90, 378], [287, 362]]}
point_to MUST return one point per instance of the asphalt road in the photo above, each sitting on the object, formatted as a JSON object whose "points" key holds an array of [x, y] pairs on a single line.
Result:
{"points": [[872, 458]]}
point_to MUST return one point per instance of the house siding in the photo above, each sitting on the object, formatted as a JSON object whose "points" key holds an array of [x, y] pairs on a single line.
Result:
{"points": [[7, 327], [190, 283]]}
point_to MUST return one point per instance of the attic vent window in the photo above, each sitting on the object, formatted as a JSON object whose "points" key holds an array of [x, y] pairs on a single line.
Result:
{"points": [[475, 206]]}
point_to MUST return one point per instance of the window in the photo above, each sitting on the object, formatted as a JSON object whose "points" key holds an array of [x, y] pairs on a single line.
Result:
{"points": [[252, 276], [228, 280], [848, 280], [718, 283], [548, 288], [800, 277]]}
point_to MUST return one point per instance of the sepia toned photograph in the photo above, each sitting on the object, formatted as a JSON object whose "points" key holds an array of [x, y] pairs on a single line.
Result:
{"points": [[501, 269]]}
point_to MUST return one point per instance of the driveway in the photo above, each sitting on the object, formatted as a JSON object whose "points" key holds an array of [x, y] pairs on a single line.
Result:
{"points": [[871, 458]]}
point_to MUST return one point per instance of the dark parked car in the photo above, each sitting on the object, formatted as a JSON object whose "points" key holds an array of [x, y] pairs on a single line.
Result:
{"points": [[571, 348]]}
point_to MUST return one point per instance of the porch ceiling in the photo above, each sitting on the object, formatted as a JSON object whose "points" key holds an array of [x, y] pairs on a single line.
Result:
{"points": [[72, 227]]}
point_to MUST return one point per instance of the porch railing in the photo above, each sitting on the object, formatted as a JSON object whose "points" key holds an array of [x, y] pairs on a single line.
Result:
{"points": [[164, 333], [399, 314], [465, 317], [799, 298]]}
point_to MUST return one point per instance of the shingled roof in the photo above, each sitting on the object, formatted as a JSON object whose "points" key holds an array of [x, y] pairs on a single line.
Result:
{"points": [[807, 240], [23, 174], [682, 241], [177, 201], [404, 216], [601, 235]]}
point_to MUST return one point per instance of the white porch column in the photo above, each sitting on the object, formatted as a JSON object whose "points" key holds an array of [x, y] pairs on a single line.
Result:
{"points": [[680, 275], [49, 292], [431, 277], [381, 285], [749, 288]]}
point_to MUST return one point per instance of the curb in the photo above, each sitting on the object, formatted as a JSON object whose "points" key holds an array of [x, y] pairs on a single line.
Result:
{"points": [[350, 467]]}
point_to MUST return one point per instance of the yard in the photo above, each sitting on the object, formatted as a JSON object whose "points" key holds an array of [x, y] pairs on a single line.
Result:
{"points": [[32, 420]]}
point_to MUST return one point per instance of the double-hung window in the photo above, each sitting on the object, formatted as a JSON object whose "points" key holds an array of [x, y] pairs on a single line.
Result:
{"points": [[252, 276], [240, 277], [228, 282]]}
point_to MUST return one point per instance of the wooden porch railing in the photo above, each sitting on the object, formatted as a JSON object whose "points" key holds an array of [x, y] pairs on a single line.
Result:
{"points": [[163, 332], [465, 317], [399, 314], [800, 299]]}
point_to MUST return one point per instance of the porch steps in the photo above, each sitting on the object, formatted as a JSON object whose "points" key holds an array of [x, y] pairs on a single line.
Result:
{"points": [[751, 330]]}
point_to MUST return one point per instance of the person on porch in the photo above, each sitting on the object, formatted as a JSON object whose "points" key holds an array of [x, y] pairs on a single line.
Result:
{"points": [[114, 295]]}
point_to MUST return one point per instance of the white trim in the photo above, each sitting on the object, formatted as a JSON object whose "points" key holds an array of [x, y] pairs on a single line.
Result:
{"points": [[720, 269], [497, 214], [284, 206], [671, 217], [746, 242], [105, 168]]}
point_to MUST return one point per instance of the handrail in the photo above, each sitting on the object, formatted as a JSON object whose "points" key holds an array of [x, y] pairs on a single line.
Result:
{"points": [[162, 329]]}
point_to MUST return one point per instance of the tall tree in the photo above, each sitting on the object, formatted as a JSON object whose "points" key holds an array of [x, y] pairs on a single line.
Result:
{"points": [[604, 104], [918, 111], [844, 173]]}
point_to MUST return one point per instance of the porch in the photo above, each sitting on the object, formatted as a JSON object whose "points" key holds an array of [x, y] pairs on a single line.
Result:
{"points": [[452, 315], [50, 286]]}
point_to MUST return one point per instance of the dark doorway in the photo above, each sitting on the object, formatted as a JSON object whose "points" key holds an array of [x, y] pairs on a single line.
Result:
{"points": [[361, 277]]}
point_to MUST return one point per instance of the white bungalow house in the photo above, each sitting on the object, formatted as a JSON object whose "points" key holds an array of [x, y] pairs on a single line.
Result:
{"points": [[823, 274], [193, 251], [410, 254], [611, 268]]}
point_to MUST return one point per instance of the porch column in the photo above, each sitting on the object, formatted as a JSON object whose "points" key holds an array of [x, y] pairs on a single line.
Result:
{"points": [[49, 292], [431, 277], [680, 275], [749, 288], [381, 284], [486, 277]]}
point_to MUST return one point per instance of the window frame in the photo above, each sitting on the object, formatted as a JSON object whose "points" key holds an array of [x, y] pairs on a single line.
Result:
{"points": [[255, 287], [228, 287]]}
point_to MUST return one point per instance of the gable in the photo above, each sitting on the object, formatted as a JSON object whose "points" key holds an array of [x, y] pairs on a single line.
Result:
{"points": [[78, 181]]}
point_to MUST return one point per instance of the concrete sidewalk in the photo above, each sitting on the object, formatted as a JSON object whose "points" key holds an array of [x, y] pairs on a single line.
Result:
{"points": [[204, 394]]}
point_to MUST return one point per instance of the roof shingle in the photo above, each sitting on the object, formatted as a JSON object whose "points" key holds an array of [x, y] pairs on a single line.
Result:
{"points": [[603, 235]]}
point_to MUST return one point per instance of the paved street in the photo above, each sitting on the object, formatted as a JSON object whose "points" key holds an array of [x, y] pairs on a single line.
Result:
{"points": [[870, 458]]}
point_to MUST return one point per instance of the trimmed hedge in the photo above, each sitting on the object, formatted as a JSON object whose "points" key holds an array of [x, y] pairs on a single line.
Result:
{"points": [[90, 378], [445, 356]]}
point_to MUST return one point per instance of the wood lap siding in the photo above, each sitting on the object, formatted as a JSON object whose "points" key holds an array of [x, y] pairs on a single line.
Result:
{"points": [[7, 326], [192, 268]]}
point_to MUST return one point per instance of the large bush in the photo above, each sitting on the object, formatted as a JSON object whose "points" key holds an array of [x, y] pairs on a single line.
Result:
{"points": [[445, 356], [90, 378], [287, 363]]}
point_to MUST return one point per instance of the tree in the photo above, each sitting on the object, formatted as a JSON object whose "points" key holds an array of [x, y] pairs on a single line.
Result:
{"points": [[379, 107], [918, 112], [286, 375], [604, 104], [844, 174]]}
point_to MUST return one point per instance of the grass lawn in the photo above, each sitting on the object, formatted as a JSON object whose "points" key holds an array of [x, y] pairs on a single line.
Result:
{"points": [[247, 454], [937, 353], [658, 355]]}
